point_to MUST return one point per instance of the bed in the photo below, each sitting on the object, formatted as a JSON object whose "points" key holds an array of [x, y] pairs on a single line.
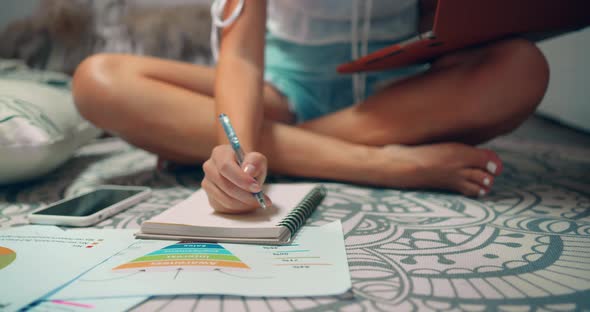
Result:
{"points": [[523, 247]]}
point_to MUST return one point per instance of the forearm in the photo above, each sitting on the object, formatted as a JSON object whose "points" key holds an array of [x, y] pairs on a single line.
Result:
{"points": [[238, 94], [239, 77]]}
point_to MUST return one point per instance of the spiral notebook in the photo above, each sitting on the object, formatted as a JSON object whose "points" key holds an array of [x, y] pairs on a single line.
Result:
{"points": [[195, 219]]}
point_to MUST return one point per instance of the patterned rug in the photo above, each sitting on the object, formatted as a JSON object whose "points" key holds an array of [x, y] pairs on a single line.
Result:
{"points": [[523, 247]]}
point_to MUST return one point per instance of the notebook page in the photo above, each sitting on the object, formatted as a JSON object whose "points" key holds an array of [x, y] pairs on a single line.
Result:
{"points": [[196, 211]]}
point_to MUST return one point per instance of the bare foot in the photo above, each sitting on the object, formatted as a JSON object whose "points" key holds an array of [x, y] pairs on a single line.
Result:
{"points": [[449, 166]]}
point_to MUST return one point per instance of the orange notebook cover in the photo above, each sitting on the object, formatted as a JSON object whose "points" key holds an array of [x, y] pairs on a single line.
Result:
{"points": [[462, 23]]}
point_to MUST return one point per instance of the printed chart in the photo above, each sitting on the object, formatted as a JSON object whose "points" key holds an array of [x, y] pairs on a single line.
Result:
{"points": [[46, 257], [152, 268], [294, 257], [7, 256], [185, 255]]}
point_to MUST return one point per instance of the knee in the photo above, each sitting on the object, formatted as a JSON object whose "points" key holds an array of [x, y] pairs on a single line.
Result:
{"points": [[525, 62], [94, 86], [525, 73], [517, 75]]}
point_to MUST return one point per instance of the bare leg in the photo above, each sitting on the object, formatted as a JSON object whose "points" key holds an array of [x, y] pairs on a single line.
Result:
{"points": [[166, 107], [162, 106], [469, 96]]}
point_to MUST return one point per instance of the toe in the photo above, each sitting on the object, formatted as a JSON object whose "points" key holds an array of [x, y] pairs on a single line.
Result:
{"points": [[485, 159], [493, 164], [471, 189], [477, 176]]}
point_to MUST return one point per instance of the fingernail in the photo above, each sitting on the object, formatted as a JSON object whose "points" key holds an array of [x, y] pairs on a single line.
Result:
{"points": [[492, 167], [486, 181], [482, 193], [250, 169], [254, 188]]}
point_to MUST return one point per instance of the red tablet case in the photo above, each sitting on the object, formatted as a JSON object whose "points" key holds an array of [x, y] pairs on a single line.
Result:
{"points": [[462, 23]]}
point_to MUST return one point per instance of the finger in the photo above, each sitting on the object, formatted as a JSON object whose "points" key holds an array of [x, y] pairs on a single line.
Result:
{"points": [[267, 201], [221, 202], [245, 197], [255, 164], [212, 175], [217, 199], [224, 160]]}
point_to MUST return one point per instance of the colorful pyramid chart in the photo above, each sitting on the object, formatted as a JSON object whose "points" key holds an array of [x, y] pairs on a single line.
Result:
{"points": [[6, 257], [185, 255]]}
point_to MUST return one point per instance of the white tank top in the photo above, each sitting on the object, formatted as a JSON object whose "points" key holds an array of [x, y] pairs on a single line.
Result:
{"points": [[335, 21], [318, 22]]}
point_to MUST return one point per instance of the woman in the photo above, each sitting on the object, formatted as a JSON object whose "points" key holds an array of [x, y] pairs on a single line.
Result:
{"points": [[294, 115]]}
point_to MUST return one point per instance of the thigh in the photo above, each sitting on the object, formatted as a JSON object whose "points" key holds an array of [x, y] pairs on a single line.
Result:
{"points": [[468, 96], [193, 77]]}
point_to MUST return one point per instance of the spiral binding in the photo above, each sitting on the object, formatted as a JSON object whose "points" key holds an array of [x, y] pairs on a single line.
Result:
{"points": [[296, 218]]}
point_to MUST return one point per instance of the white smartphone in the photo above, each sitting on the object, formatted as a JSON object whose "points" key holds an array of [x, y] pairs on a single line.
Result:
{"points": [[91, 207]]}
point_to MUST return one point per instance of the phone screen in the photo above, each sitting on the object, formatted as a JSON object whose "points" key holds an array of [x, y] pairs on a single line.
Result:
{"points": [[89, 203]]}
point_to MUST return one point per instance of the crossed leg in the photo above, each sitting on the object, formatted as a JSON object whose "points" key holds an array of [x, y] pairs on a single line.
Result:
{"points": [[393, 139]]}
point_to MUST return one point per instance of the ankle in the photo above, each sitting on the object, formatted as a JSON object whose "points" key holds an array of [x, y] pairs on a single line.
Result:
{"points": [[395, 167], [364, 164]]}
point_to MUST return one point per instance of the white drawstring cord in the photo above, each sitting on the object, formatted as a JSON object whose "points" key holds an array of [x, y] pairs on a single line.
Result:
{"points": [[354, 48], [217, 22], [367, 27], [365, 46], [359, 81]]}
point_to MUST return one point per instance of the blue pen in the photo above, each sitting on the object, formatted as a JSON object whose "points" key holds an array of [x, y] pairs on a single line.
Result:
{"points": [[235, 144]]}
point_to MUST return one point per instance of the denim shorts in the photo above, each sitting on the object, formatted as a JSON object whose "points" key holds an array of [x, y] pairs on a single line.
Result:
{"points": [[306, 75]]}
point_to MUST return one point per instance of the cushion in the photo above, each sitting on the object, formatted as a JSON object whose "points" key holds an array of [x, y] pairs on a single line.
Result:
{"points": [[39, 126]]}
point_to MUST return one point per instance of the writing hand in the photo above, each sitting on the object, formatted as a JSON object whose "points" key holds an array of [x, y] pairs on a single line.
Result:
{"points": [[229, 187]]}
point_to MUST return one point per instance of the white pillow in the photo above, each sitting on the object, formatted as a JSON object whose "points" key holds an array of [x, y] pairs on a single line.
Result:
{"points": [[39, 126]]}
